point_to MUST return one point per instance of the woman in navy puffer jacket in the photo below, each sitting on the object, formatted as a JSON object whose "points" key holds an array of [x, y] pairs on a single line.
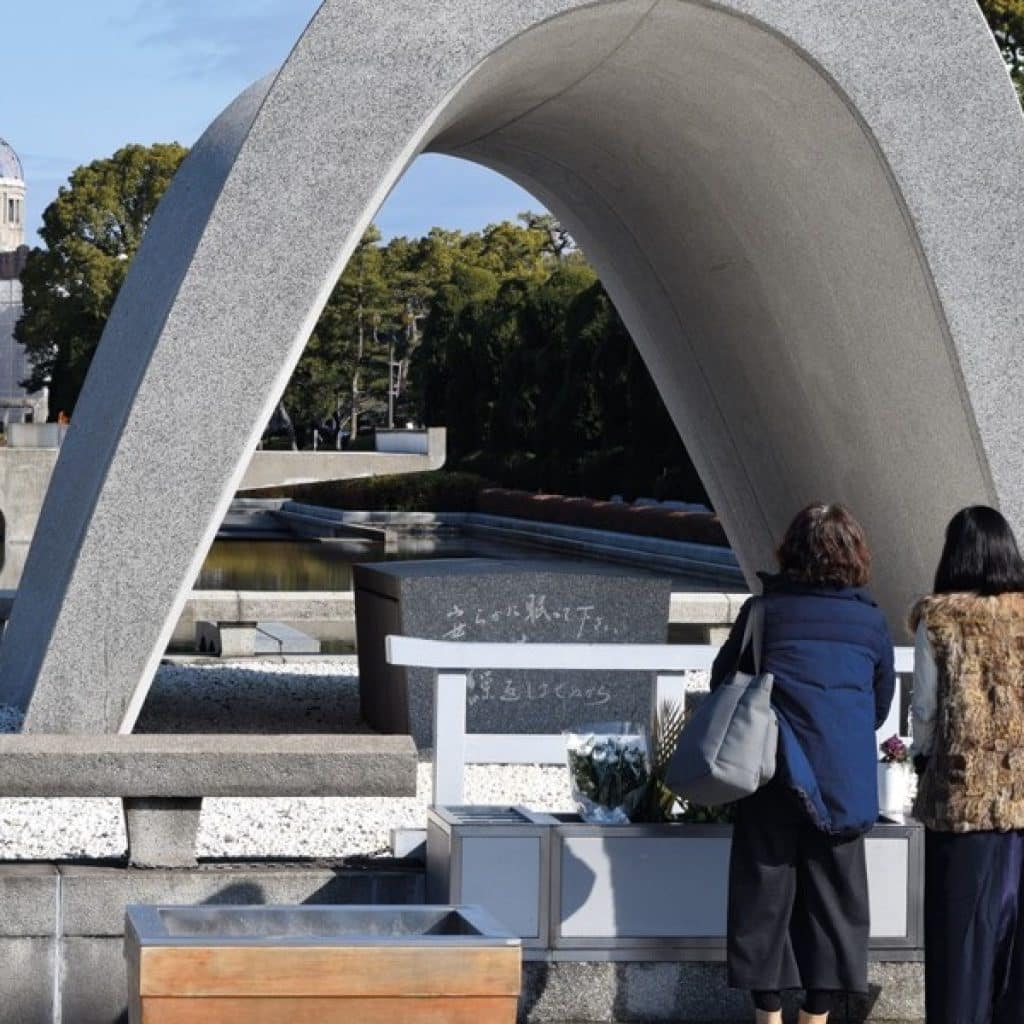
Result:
{"points": [[798, 898]]}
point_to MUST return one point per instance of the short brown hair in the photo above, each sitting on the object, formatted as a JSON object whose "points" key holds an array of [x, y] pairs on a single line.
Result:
{"points": [[825, 545]]}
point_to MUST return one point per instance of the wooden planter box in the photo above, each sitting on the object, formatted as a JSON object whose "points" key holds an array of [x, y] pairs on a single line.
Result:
{"points": [[319, 965], [639, 892]]}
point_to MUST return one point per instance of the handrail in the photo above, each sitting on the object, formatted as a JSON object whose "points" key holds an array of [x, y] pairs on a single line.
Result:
{"points": [[454, 661], [454, 654], [414, 652]]}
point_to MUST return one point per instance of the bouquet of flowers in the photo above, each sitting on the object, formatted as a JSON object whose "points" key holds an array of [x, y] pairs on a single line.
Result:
{"points": [[609, 771], [893, 751]]}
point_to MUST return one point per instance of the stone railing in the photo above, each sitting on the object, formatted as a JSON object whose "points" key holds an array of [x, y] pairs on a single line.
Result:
{"points": [[453, 661], [163, 778]]}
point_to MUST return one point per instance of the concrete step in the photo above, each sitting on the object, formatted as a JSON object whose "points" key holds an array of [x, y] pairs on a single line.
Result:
{"points": [[227, 639], [62, 926], [277, 638]]}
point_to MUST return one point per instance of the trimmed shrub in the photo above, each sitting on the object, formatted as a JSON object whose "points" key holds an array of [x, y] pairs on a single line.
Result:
{"points": [[406, 492], [446, 491], [643, 520]]}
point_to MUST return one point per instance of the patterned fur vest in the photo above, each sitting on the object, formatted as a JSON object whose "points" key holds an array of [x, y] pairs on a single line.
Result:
{"points": [[974, 780]]}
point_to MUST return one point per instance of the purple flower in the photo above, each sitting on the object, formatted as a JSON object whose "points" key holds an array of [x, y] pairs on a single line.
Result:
{"points": [[894, 751]]}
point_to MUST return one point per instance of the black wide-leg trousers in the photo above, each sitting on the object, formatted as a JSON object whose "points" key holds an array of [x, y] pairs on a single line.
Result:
{"points": [[974, 927], [798, 903]]}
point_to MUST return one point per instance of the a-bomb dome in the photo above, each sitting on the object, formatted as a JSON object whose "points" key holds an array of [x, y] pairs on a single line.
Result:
{"points": [[10, 165]]}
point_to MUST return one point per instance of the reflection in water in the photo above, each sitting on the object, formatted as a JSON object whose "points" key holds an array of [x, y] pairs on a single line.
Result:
{"points": [[280, 565], [327, 565], [304, 565]]}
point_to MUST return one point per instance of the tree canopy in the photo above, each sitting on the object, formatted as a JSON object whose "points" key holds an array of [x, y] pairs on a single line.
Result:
{"points": [[91, 230], [539, 383]]}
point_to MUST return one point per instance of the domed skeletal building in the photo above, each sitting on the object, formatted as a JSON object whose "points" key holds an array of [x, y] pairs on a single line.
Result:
{"points": [[16, 405]]}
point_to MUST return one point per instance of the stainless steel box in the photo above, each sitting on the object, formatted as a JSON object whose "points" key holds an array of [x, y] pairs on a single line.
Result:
{"points": [[494, 857], [577, 891]]}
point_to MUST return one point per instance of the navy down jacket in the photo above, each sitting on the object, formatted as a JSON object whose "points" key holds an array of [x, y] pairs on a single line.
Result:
{"points": [[831, 655]]}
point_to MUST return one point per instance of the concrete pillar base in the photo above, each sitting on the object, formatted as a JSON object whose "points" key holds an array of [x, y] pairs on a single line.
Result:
{"points": [[162, 833]]}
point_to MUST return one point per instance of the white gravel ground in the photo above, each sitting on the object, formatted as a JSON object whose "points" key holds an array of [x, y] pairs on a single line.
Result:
{"points": [[303, 696]]}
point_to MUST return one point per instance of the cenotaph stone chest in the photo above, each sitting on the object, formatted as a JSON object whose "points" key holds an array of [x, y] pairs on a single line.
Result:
{"points": [[490, 600]]}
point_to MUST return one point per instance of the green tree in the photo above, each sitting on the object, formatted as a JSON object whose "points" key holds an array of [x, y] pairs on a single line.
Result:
{"points": [[335, 375], [1006, 19], [91, 230], [503, 335], [371, 327], [527, 363], [559, 243], [470, 325]]}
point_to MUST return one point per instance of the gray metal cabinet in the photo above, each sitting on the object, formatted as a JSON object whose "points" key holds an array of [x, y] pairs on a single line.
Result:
{"points": [[494, 857], [575, 891]]}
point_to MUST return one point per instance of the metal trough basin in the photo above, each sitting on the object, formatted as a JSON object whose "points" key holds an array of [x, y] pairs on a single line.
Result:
{"points": [[188, 965]]}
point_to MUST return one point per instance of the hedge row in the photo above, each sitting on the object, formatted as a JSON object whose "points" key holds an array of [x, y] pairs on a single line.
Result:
{"points": [[646, 520], [448, 491], [403, 492]]}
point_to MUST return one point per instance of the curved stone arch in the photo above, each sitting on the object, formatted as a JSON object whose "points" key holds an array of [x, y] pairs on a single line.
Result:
{"points": [[812, 256]]}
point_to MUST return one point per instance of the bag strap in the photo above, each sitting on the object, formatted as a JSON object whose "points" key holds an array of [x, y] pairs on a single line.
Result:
{"points": [[753, 634]]}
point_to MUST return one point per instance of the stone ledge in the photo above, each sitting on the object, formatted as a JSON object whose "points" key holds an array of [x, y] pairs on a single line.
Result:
{"points": [[93, 984], [206, 765], [93, 898], [92, 974], [708, 609]]}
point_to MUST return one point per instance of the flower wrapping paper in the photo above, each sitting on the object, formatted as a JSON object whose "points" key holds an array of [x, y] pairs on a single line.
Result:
{"points": [[609, 771]]}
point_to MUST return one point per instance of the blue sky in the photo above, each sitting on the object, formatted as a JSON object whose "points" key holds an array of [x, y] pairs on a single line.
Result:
{"points": [[82, 79]]}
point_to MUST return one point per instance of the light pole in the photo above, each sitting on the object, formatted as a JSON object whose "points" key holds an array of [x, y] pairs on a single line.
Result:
{"points": [[391, 381]]}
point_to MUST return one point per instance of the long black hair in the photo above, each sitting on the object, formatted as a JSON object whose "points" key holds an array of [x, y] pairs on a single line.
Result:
{"points": [[980, 554]]}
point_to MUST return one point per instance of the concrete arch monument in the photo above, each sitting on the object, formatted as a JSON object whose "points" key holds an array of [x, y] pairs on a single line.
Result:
{"points": [[807, 212]]}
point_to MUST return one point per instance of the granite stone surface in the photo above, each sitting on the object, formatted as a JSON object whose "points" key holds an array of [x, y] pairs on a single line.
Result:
{"points": [[815, 247], [896, 993], [183, 765], [694, 993], [630, 993], [484, 599]]}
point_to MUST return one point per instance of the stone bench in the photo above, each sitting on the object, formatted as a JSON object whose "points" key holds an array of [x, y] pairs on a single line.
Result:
{"points": [[162, 778]]}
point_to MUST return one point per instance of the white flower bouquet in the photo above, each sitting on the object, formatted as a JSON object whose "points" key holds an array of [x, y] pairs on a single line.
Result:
{"points": [[609, 771]]}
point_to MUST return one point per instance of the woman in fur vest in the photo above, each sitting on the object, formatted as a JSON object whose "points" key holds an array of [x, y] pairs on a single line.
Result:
{"points": [[968, 715], [798, 887]]}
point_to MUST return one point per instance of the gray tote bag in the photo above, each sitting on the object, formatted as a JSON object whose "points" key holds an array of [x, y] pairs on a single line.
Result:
{"points": [[727, 750]]}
